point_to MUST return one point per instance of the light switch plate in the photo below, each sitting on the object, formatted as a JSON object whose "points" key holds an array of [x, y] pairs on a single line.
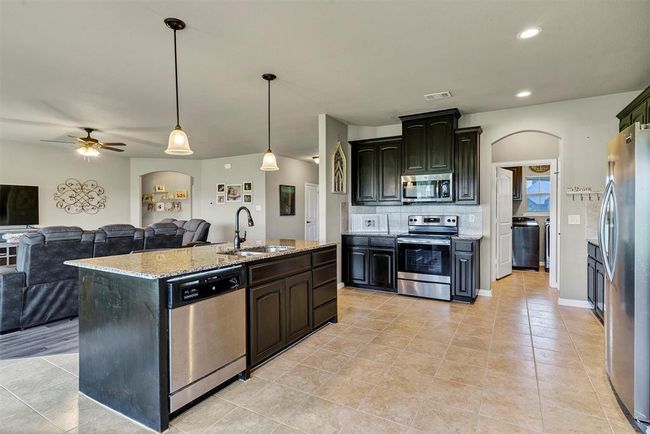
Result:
{"points": [[227, 166], [574, 219]]}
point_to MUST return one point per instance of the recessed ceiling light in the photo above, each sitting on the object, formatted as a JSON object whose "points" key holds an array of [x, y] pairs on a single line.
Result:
{"points": [[523, 94], [529, 33]]}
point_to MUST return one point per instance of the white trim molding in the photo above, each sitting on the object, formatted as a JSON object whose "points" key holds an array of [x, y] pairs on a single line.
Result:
{"points": [[485, 292], [340, 285], [584, 304]]}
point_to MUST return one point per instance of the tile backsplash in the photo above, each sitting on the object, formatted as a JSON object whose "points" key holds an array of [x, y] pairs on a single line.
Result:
{"points": [[470, 220]]}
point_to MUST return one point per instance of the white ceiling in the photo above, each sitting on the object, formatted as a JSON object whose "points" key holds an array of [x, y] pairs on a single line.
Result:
{"points": [[109, 65]]}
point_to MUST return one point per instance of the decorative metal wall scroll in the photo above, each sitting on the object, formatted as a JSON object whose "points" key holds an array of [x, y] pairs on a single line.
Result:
{"points": [[339, 170], [76, 197]]}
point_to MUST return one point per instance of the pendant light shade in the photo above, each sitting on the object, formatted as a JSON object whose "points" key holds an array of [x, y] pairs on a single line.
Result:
{"points": [[269, 163], [178, 143]]}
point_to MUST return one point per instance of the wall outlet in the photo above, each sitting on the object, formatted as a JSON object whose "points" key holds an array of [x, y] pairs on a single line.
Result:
{"points": [[258, 207], [574, 219]]}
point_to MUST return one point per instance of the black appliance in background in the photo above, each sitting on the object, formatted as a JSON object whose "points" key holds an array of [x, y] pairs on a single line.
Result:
{"points": [[18, 205], [525, 243]]}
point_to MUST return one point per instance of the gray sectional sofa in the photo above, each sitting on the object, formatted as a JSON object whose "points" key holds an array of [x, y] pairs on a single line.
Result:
{"points": [[41, 289]]}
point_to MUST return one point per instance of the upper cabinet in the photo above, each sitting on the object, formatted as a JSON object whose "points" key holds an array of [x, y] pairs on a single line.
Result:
{"points": [[517, 179], [428, 142], [467, 165], [376, 170], [636, 111]]}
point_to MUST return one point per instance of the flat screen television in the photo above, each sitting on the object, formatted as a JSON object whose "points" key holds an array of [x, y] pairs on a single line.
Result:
{"points": [[18, 205]]}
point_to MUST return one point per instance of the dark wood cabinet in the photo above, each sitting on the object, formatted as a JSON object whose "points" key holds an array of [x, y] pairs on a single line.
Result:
{"points": [[298, 304], [596, 280], [465, 269], [382, 268], [467, 165], [267, 320], [286, 304], [369, 262], [376, 171], [364, 173], [636, 111], [428, 142], [517, 180]]}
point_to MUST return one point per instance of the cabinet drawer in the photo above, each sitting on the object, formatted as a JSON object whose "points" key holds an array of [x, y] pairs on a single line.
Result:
{"points": [[355, 240], [282, 267], [324, 313], [464, 245], [323, 256], [324, 274], [382, 242], [324, 293]]}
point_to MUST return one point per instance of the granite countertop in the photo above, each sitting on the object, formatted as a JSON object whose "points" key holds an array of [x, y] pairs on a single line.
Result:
{"points": [[469, 237], [159, 264], [370, 234]]}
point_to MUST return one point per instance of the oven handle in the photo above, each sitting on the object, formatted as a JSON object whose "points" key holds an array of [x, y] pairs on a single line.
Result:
{"points": [[423, 241]]}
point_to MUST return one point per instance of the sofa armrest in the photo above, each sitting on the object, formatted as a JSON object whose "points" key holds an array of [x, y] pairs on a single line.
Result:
{"points": [[11, 298]]}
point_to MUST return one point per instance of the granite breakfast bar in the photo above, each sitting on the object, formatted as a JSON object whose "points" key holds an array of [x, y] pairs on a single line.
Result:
{"points": [[159, 330]]}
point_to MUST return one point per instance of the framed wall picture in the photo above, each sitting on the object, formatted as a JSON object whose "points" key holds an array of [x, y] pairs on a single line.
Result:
{"points": [[221, 188], [233, 192], [159, 188], [248, 187], [248, 198], [180, 194], [221, 199], [287, 200]]}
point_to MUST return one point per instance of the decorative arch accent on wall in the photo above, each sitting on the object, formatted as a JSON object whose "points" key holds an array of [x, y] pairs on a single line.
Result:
{"points": [[525, 131]]}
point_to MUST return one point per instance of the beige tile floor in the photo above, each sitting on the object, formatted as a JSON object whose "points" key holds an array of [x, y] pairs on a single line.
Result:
{"points": [[512, 363]]}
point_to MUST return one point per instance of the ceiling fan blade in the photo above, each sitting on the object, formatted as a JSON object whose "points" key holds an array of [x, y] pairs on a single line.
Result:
{"points": [[57, 141], [112, 149], [113, 144]]}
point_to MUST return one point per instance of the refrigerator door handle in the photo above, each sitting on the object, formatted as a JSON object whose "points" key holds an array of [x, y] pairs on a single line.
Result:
{"points": [[608, 244]]}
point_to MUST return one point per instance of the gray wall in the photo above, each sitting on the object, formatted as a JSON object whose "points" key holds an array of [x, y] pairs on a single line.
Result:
{"points": [[292, 172], [243, 168], [331, 222], [526, 146], [47, 165]]}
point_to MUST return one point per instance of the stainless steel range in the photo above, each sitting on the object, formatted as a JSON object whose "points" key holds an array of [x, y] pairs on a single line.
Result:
{"points": [[424, 256]]}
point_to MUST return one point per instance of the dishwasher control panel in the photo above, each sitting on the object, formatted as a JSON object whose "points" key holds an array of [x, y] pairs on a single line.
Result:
{"points": [[199, 286]]}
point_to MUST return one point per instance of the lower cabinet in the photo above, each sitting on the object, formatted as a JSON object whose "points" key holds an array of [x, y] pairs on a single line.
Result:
{"points": [[288, 299], [464, 269], [369, 262], [596, 280]]}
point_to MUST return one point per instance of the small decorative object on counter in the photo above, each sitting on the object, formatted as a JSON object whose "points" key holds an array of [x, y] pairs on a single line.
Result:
{"points": [[75, 197], [339, 170]]}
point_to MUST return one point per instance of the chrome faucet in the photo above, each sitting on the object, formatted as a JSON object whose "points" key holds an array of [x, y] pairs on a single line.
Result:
{"points": [[238, 239]]}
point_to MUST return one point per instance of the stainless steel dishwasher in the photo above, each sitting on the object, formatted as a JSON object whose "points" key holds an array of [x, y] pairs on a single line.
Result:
{"points": [[207, 332]]}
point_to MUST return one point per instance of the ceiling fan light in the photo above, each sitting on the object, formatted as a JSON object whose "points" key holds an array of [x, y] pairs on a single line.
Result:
{"points": [[269, 163], [88, 151], [178, 143]]}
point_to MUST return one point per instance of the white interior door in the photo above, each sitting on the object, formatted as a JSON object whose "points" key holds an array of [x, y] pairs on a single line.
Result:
{"points": [[504, 222], [311, 212]]}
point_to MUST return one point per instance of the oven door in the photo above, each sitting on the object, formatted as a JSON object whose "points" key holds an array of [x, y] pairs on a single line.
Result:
{"points": [[424, 259]]}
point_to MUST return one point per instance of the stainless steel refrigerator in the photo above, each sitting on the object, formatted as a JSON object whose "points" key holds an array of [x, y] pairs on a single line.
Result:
{"points": [[624, 235]]}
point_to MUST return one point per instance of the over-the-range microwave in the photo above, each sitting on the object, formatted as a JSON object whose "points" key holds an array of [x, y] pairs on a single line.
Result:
{"points": [[428, 188]]}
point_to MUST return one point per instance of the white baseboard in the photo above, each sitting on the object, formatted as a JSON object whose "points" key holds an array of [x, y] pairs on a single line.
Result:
{"points": [[584, 304], [340, 285], [485, 292]]}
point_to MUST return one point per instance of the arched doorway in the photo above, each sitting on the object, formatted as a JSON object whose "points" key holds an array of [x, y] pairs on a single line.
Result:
{"points": [[533, 157], [165, 194]]}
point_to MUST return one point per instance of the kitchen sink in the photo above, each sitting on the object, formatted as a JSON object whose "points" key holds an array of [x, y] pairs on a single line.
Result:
{"points": [[256, 251]]}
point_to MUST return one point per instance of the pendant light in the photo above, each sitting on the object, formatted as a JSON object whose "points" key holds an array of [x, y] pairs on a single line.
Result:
{"points": [[178, 143], [269, 163]]}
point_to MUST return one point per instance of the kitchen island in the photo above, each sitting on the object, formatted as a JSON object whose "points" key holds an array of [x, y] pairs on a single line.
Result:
{"points": [[159, 330]]}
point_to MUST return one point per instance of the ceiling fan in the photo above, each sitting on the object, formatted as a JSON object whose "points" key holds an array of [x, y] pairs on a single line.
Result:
{"points": [[89, 146]]}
